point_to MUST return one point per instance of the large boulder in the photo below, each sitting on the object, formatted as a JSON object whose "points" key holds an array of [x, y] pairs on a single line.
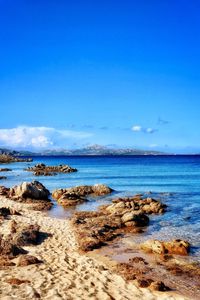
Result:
{"points": [[135, 219], [33, 190], [179, 247]]}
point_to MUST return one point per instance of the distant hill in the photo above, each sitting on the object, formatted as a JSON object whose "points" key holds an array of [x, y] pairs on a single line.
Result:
{"points": [[90, 150], [16, 153]]}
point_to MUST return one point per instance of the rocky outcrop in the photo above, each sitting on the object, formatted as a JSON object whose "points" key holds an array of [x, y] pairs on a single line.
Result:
{"points": [[33, 190], [76, 195], [33, 193], [124, 215], [7, 158], [179, 247], [43, 170], [137, 203]]}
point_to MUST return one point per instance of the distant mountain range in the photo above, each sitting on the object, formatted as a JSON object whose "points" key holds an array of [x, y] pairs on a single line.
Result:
{"points": [[89, 150]]}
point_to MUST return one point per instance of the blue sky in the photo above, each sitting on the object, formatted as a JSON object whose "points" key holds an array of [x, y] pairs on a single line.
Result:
{"points": [[123, 73]]}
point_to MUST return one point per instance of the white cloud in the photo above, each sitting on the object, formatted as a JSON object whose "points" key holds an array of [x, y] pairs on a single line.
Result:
{"points": [[39, 137], [138, 128]]}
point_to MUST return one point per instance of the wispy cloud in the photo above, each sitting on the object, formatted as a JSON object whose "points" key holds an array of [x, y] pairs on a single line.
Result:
{"points": [[139, 128], [39, 137]]}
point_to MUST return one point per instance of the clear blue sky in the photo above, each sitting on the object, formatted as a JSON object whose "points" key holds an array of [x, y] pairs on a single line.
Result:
{"points": [[126, 73]]}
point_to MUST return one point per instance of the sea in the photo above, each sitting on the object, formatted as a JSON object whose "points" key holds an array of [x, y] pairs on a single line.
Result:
{"points": [[174, 180]]}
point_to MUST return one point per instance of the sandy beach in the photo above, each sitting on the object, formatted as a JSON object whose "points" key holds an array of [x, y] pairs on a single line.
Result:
{"points": [[64, 273]]}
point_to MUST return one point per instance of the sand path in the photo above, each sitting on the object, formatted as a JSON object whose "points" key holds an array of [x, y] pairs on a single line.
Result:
{"points": [[64, 273]]}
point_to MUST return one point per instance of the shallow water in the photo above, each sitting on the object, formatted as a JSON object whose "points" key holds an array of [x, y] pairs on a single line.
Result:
{"points": [[173, 179]]}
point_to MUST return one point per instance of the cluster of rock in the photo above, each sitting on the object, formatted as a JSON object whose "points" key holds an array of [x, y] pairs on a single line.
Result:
{"points": [[95, 228], [76, 195], [137, 203], [33, 193], [179, 247], [7, 158], [43, 170]]}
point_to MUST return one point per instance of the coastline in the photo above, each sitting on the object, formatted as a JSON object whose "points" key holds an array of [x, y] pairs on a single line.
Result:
{"points": [[65, 272]]}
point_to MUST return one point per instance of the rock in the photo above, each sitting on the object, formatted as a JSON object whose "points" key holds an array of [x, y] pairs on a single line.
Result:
{"points": [[70, 199], [178, 247], [4, 212], [43, 170], [153, 246], [26, 260], [27, 235], [83, 190], [9, 248], [144, 283], [136, 203], [133, 219], [101, 189], [4, 191], [93, 229], [7, 158], [5, 170], [33, 190], [159, 286], [3, 177], [75, 195]]}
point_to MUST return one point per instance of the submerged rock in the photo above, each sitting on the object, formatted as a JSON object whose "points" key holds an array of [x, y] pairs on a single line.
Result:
{"points": [[43, 170], [179, 247], [3, 177]]}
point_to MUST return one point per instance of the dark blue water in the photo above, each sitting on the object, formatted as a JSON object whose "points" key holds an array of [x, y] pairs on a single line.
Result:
{"points": [[173, 179]]}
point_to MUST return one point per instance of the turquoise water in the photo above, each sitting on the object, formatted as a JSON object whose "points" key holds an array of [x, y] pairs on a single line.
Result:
{"points": [[173, 179]]}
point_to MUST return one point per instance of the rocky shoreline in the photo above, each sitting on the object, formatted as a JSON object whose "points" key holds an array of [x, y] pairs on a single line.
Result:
{"points": [[94, 230]]}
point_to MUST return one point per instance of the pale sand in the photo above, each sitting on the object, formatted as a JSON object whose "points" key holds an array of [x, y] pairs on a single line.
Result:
{"points": [[65, 273]]}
